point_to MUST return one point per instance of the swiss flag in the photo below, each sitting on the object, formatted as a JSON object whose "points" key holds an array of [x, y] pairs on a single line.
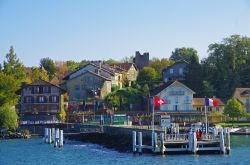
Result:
{"points": [[159, 101], [70, 107]]}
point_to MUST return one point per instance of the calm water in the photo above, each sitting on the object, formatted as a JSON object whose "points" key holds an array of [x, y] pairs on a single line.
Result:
{"points": [[34, 151]]}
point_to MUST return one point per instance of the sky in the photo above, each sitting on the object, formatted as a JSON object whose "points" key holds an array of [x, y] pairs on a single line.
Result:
{"points": [[103, 29]]}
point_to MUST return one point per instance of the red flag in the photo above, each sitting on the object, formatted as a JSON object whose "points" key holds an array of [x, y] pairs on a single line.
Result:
{"points": [[215, 103], [70, 107], [159, 101]]}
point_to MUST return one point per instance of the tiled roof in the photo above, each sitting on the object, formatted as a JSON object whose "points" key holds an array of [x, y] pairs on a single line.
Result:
{"points": [[125, 66], [241, 92], [200, 101]]}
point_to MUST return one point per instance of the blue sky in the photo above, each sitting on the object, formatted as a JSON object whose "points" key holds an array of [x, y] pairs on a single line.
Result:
{"points": [[103, 29]]}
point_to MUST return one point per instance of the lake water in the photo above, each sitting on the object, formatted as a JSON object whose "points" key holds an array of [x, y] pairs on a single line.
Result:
{"points": [[35, 152]]}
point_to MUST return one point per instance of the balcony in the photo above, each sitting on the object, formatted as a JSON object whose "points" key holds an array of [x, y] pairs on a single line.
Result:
{"points": [[176, 93]]}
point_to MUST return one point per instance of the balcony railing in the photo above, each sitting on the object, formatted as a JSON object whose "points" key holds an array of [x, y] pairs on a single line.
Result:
{"points": [[176, 93]]}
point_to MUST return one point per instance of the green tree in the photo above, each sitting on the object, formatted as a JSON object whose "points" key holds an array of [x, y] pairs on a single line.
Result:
{"points": [[159, 65], [207, 89], [49, 65], [227, 64], [8, 118], [72, 65], [194, 77], [8, 87], [36, 73], [147, 76], [184, 54], [234, 109], [13, 67], [111, 61]]}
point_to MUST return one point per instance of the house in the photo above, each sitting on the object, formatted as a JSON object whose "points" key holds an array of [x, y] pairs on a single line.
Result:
{"points": [[88, 85], [174, 72], [40, 102], [141, 60], [215, 114], [129, 69], [98, 68], [243, 95], [179, 100]]}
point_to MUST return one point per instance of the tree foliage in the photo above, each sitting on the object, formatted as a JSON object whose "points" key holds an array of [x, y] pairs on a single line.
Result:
{"points": [[227, 65], [184, 54], [8, 118], [13, 67], [147, 76], [49, 65], [234, 108], [8, 87], [159, 65]]}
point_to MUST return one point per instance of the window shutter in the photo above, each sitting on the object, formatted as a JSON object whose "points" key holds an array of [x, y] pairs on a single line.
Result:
{"points": [[25, 99], [50, 99], [40, 89], [45, 99], [32, 99], [57, 99], [49, 89], [37, 99], [32, 90]]}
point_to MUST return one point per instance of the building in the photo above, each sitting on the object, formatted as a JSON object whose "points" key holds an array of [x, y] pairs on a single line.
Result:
{"points": [[88, 85], [175, 72], [94, 80], [215, 114], [243, 95], [179, 100], [40, 102], [130, 71], [141, 60]]}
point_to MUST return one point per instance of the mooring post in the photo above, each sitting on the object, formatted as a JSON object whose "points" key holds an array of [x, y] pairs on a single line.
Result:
{"points": [[153, 141], [56, 137], [134, 141], [140, 142], [222, 143], [50, 140], [61, 138], [214, 133], [194, 143], [162, 143], [227, 141], [190, 141], [46, 135], [52, 134]]}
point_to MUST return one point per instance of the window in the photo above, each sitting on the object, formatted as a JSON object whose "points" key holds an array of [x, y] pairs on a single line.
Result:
{"points": [[28, 99], [181, 71], [36, 89], [41, 99], [171, 71], [54, 99], [77, 87], [46, 89], [176, 99]]}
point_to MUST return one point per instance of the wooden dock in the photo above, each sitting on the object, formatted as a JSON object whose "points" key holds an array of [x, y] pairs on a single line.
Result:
{"points": [[162, 144]]}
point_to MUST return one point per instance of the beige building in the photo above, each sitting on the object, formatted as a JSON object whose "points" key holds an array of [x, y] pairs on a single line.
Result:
{"points": [[129, 70], [215, 114], [88, 85], [243, 95]]}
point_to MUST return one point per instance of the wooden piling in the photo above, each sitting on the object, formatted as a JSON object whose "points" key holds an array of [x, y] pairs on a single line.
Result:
{"points": [[140, 142], [222, 143], [134, 141], [162, 143], [61, 138]]}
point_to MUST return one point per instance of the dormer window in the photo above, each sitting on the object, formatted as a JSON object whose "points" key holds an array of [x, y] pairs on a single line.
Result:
{"points": [[171, 71]]}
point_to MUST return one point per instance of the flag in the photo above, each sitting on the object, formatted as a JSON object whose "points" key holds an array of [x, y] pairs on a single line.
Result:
{"points": [[210, 102], [70, 107], [159, 101]]}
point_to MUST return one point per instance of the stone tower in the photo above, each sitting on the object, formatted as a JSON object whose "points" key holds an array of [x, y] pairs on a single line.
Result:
{"points": [[141, 60]]}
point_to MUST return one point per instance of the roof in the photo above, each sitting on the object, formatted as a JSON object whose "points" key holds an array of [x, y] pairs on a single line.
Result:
{"points": [[241, 92], [39, 82], [96, 74], [200, 101], [158, 89], [125, 66], [178, 62], [103, 67]]}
